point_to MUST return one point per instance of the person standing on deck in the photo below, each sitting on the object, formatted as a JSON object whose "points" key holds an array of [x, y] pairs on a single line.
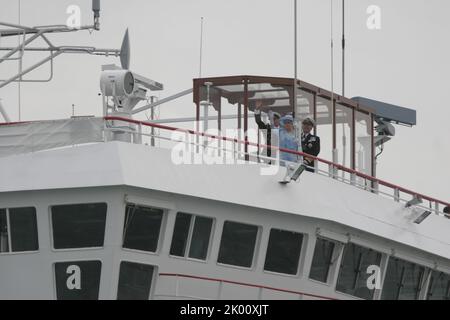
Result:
{"points": [[288, 139], [271, 128], [310, 143]]}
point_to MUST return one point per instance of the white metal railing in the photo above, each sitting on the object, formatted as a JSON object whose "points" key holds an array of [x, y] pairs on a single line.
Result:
{"points": [[238, 284], [357, 179]]}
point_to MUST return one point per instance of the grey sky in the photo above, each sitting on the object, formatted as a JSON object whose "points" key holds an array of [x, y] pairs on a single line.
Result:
{"points": [[405, 63]]}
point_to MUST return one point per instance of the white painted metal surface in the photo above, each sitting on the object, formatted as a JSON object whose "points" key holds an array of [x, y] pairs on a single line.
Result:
{"points": [[115, 164], [117, 173], [43, 135]]}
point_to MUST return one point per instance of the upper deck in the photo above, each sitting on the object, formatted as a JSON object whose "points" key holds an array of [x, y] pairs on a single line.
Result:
{"points": [[348, 127], [349, 131]]}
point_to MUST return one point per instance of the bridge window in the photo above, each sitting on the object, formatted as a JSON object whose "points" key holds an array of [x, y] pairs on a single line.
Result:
{"points": [[79, 225], [191, 234], [18, 230], [142, 228], [344, 138], [322, 260], [353, 273], [344, 126], [238, 242], [403, 280], [439, 287], [135, 281], [324, 128], [283, 251], [77, 280]]}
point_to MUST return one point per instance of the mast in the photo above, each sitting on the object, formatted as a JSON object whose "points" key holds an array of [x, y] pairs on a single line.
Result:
{"points": [[201, 48], [19, 83], [343, 48], [297, 128], [335, 150], [344, 138], [331, 51], [295, 56]]}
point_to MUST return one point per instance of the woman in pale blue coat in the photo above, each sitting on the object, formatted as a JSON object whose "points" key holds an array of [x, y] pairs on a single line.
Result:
{"points": [[288, 139]]}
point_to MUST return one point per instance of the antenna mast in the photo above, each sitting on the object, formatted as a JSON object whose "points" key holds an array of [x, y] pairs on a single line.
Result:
{"points": [[201, 47], [332, 52], [296, 126], [19, 84], [295, 56], [343, 47], [335, 151]]}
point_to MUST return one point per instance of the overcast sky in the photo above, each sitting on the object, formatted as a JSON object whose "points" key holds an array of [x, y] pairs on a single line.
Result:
{"points": [[406, 62]]}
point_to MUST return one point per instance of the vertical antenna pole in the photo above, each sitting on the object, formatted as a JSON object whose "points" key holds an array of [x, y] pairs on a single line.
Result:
{"points": [[333, 106], [19, 84], [297, 128], [343, 47], [295, 56], [344, 138], [332, 51], [201, 47]]}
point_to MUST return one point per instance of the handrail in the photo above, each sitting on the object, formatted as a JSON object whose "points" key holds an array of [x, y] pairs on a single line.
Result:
{"points": [[330, 163], [244, 284]]}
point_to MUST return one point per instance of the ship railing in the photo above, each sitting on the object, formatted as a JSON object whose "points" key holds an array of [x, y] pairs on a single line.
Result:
{"points": [[34, 136], [221, 283], [162, 136]]}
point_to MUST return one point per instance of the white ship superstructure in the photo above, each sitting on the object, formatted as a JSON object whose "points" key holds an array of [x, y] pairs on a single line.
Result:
{"points": [[113, 207]]}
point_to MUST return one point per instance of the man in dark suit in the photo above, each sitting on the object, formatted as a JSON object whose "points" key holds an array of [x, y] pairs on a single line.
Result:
{"points": [[268, 127], [310, 143]]}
